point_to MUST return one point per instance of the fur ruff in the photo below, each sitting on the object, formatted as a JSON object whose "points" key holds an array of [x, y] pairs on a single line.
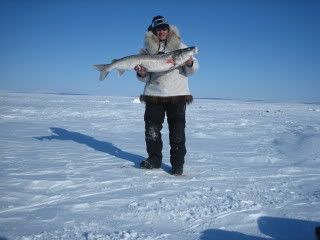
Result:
{"points": [[164, 100], [151, 41]]}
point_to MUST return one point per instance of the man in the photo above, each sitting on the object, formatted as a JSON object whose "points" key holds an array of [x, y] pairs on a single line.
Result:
{"points": [[165, 93]]}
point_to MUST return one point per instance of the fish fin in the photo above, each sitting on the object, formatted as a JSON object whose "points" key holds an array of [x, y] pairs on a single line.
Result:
{"points": [[104, 69], [103, 75], [121, 71]]}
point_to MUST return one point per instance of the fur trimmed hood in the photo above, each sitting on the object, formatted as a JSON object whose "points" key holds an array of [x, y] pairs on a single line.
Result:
{"points": [[151, 41], [168, 86]]}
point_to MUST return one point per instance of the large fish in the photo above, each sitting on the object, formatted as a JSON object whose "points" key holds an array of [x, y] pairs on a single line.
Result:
{"points": [[153, 63]]}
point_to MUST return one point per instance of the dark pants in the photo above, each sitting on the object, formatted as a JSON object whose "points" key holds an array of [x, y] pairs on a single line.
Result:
{"points": [[154, 117]]}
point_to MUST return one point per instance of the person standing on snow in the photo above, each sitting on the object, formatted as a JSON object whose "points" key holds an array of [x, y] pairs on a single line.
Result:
{"points": [[165, 93]]}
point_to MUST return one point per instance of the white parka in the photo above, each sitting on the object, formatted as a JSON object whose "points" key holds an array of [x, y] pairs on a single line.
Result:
{"points": [[170, 83]]}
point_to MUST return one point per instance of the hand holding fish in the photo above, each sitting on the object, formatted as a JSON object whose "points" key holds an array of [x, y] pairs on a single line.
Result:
{"points": [[140, 70], [189, 62]]}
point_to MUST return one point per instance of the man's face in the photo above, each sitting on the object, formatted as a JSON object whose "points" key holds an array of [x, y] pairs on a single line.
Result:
{"points": [[162, 33]]}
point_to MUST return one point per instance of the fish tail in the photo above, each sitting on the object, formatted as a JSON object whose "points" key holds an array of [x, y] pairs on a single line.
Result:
{"points": [[104, 69]]}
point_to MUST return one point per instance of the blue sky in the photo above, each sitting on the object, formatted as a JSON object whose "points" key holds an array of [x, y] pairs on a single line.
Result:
{"points": [[262, 49]]}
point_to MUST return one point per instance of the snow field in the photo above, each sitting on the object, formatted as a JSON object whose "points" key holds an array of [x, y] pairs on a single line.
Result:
{"points": [[69, 170]]}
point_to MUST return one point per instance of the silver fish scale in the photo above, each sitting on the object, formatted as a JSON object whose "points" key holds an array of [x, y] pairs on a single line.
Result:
{"points": [[153, 63]]}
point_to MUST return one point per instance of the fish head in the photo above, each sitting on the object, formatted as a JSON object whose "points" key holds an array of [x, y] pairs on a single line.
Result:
{"points": [[194, 50], [182, 55]]}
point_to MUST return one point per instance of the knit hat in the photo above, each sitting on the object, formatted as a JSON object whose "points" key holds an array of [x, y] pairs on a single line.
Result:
{"points": [[158, 22]]}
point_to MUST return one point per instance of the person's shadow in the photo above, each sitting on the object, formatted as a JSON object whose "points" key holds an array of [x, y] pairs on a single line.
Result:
{"points": [[102, 146], [274, 228]]}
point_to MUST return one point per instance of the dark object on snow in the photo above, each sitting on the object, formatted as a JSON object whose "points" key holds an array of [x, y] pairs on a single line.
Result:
{"points": [[317, 232]]}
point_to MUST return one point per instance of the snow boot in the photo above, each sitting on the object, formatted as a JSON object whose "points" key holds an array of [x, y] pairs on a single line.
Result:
{"points": [[150, 163], [317, 232], [177, 170]]}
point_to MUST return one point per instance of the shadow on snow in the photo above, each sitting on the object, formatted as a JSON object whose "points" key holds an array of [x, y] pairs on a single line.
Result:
{"points": [[274, 228], [102, 146]]}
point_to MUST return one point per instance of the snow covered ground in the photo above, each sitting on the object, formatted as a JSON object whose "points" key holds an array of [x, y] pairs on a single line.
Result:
{"points": [[69, 170]]}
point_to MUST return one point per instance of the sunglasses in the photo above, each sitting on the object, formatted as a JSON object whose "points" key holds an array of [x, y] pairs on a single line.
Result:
{"points": [[163, 28]]}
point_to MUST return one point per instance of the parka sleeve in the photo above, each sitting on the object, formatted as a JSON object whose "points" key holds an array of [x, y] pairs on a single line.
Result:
{"points": [[195, 66], [193, 69], [144, 79]]}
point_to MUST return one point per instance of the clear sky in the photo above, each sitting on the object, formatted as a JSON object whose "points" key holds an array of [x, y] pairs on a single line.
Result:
{"points": [[258, 49]]}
